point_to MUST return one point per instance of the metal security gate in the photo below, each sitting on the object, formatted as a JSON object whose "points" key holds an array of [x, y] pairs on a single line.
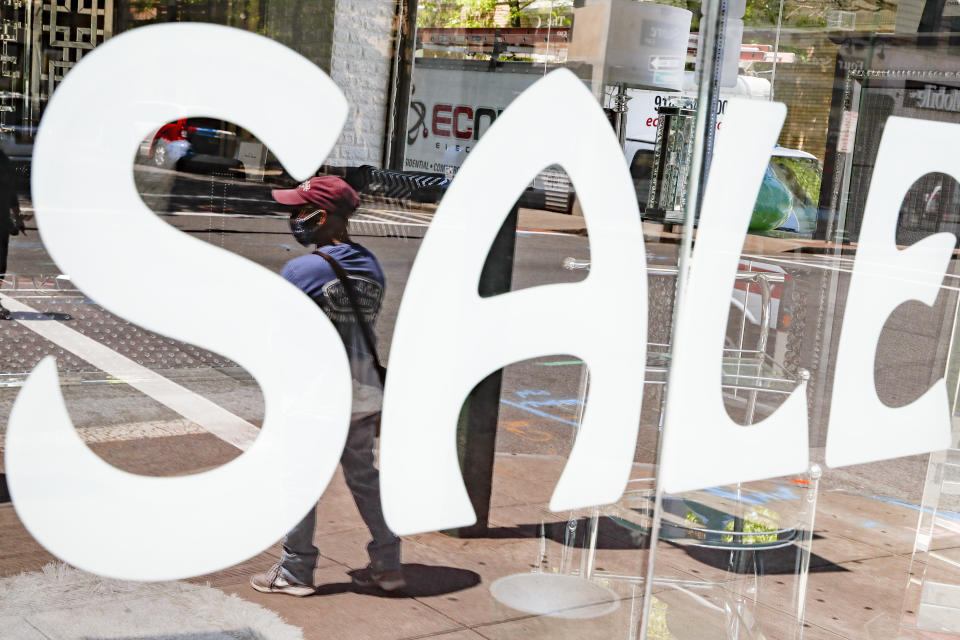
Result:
{"points": [[39, 43]]}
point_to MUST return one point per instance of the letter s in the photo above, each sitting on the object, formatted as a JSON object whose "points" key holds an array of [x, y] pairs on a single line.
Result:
{"points": [[97, 229]]}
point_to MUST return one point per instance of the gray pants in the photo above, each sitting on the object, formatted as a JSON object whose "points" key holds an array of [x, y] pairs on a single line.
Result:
{"points": [[299, 557]]}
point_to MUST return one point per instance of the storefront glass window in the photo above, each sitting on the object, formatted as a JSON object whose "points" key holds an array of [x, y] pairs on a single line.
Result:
{"points": [[666, 292]]}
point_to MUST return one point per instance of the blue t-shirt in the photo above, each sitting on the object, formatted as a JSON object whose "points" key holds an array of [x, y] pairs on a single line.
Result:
{"points": [[314, 276], [311, 273]]}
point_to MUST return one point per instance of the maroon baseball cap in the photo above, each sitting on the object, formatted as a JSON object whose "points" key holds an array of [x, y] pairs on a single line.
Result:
{"points": [[329, 193]]}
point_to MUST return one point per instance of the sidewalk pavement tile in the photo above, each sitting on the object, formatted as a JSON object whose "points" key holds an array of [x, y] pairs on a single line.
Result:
{"points": [[613, 625], [940, 565], [945, 538], [707, 615], [813, 632], [336, 511], [17, 627], [883, 626], [525, 480], [776, 625], [846, 601], [889, 527], [466, 634], [337, 612], [19, 551], [348, 549], [551, 221], [166, 456], [833, 548]]}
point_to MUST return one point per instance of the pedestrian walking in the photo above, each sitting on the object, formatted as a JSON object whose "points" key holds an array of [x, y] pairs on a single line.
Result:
{"points": [[11, 222], [346, 281]]}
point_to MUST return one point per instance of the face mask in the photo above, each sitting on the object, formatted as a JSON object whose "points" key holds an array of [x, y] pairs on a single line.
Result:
{"points": [[305, 228]]}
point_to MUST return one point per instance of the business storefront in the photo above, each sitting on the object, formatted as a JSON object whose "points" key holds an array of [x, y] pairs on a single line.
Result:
{"points": [[669, 317]]}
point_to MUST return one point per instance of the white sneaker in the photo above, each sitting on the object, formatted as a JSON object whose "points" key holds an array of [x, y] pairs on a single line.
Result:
{"points": [[273, 582]]}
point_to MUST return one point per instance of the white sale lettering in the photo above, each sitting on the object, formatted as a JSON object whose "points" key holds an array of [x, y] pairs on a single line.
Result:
{"points": [[702, 446], [862, 428], [96, 228]]}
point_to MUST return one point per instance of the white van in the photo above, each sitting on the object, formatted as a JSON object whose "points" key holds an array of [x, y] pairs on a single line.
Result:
{"points": [[790, 192]]}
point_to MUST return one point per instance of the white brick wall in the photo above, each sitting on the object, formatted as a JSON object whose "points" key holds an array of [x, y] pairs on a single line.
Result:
{"points": [[360, 65]]}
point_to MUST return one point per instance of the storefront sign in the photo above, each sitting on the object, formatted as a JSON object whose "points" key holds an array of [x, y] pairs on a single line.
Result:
{"points": [[450, 109], [937, 97], [95, 227], [848, 132]]}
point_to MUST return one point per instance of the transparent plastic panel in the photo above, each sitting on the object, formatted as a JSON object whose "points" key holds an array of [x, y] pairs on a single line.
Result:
{"points": [[860, 551]]}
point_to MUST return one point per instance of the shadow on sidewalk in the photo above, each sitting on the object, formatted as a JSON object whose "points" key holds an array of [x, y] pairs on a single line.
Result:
{"points": [[40, 315], [614, 533], [782, 561], [422, 581], [610, 535]]}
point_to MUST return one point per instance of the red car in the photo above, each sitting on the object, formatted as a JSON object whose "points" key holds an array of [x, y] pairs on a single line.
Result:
{"points": [[197, 145]]}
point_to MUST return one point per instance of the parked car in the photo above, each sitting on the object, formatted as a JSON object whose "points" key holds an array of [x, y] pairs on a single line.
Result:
{"points": [[169, 145], [194, 145]]}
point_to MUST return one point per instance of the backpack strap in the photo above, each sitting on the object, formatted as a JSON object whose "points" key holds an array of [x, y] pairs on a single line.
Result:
{"points": [[365, 328]]}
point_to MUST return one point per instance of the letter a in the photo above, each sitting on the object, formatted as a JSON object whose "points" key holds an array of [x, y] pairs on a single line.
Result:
{"points": [[448, 338], [862, 428], [702, 446]]}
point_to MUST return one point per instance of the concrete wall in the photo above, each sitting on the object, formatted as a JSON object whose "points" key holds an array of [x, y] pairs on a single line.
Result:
{"points": [[353, 41], [806, 87], [363, 44], [306, 26]]}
